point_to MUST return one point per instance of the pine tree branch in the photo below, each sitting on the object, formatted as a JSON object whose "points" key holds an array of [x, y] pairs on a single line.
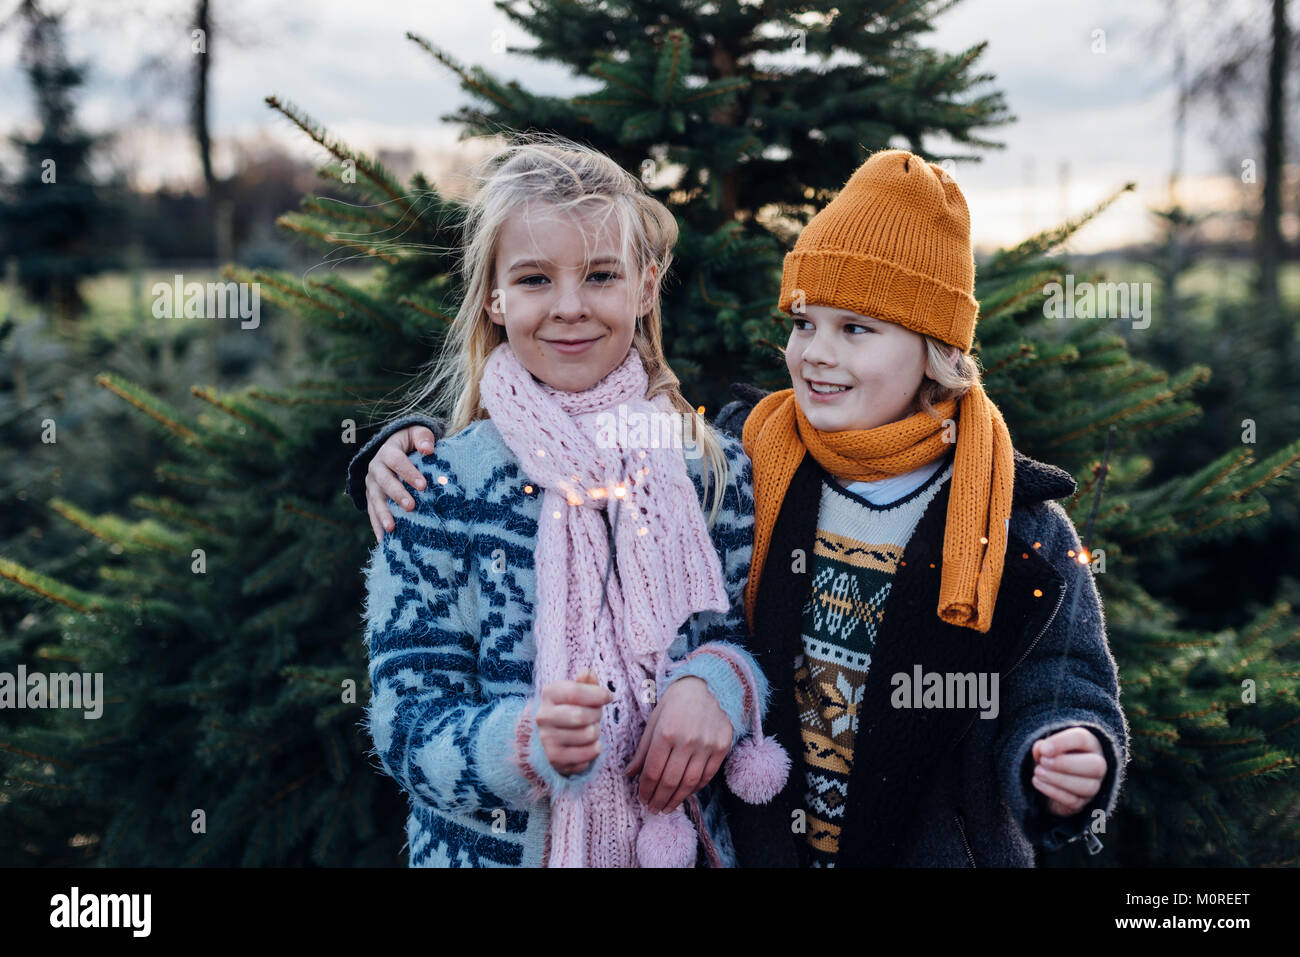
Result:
{"points": [[1155, 400], [359, 306], [155, 408], [432, 313], [289, 292], [295, 510], [674, 41], [289, 400], [44, 758], [1051, 238], [288, 222], [49, 589], [363, 163], [209, 395], [465, 78], [1285, 460]]}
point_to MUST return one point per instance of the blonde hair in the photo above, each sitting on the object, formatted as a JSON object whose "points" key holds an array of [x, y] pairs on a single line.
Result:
{"points": [[548, 168], [947, 376]]}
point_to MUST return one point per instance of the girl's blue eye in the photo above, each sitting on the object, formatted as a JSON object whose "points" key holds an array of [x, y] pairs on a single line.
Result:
{"points": [[611, 277], [854, 325]]}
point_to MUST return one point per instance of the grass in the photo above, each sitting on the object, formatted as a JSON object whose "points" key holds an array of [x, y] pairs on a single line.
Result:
{"points": [[117, 305]]}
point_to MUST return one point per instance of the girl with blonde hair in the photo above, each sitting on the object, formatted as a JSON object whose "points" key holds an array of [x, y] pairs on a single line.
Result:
{"points": [[556, 628]]}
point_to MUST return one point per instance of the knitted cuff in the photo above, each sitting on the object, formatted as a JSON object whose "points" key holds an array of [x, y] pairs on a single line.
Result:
{"points": [[531, 758], [1041, 827], [493, 753], [525, 731], [713, 664]]}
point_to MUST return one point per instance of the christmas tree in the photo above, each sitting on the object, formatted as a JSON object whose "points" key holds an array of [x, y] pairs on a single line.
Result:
{"points": [[56, 428], [227, 622], [735, 117], [1253, 398], [53, 221]]}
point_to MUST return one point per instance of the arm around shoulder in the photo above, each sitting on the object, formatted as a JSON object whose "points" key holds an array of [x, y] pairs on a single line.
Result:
{"points": [[355, 485]]}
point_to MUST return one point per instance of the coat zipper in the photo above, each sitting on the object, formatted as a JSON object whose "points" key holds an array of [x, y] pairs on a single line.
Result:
{"points": [[1089, 838], [1060, 600], [961, 828]]}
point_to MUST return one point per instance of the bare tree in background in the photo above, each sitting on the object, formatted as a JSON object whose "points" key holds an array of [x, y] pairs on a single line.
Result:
{"points": [[199, 99], [1269, 240], [173, 71], [1243, 69]]}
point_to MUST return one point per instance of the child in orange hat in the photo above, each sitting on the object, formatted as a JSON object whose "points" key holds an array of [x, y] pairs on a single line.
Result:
{"points": [[952, 692]]}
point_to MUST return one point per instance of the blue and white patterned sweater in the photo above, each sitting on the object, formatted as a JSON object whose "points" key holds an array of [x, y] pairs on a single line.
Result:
{"points": [[449, 631]]}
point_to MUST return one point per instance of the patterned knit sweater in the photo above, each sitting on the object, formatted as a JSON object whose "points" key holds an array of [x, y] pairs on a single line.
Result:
{"points": [[449, 613], [857, 550]]}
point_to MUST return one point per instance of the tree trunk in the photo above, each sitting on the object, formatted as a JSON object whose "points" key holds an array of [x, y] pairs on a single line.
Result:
{"points": [[202, 68], [725, 64], [1269, 237]]}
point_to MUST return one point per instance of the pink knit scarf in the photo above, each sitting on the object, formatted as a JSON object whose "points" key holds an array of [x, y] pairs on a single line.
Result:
{"points": [[667, 570]]}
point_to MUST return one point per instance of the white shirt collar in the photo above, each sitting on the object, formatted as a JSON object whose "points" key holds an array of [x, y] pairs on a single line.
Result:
{"points": [[889, 490]]}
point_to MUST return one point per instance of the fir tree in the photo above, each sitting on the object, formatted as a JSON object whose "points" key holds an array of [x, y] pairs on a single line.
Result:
{"points": [[62, 435], [1253, 398], [1212, 713], [52, 216], [734, 118], [229, 626]]}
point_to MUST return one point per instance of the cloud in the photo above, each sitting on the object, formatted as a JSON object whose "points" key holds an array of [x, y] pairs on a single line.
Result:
{"points": [[1107, 115]]}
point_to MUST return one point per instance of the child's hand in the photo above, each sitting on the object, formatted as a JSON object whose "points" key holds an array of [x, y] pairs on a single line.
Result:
{"points": [[1068, 768], [686, 739], [387, 470], [568, 721]]}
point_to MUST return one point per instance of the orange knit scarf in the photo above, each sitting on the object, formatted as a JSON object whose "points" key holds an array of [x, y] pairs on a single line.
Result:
{"points": [[777, 434]]}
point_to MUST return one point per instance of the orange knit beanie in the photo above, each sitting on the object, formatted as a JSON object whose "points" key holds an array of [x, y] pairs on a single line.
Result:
{"points": [[895, 245]]}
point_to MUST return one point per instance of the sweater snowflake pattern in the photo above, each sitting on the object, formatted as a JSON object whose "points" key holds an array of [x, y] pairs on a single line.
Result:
{"points": [[450, 595], [856, 554]]}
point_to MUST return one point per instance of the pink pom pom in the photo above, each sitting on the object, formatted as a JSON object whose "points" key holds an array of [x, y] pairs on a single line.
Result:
{"points": [[666, 840], [757, 770]]}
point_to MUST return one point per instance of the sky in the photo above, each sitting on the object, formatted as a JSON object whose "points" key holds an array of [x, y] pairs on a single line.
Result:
{"points": [[1088, 82]]}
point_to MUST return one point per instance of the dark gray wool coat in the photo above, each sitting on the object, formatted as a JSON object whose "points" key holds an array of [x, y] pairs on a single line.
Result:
{"points": [[933, 787]]}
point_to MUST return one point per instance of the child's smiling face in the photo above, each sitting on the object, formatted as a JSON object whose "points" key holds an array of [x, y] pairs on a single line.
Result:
{"points": [[881, 363], [570, 321]]}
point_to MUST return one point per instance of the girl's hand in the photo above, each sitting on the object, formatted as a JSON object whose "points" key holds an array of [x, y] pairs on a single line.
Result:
{"points": [[1068, 768], [568, 721], [686, 739], [388, 468]]}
